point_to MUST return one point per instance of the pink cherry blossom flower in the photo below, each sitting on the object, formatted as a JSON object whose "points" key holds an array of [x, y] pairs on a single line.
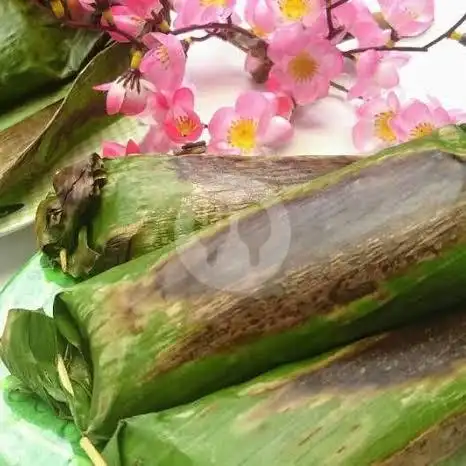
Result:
{"points": [[418, 119], [376, 71], [408, 17], [174, 121], [112, 150], [164, 64], [262, 16], [182, 124], [249, 126], [304, 64], [126, 96], [357, 19], [132, 15], [191, 12], [374, 128]]}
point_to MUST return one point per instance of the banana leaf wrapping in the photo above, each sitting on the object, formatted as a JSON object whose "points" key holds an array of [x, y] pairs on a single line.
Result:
{"points": [[32, 433], [106, 212], [397, 399], [36, 51], [371, 246], [56, 136]]}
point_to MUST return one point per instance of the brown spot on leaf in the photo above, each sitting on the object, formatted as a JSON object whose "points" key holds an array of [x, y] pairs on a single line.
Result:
{"points": [[309, 436]]}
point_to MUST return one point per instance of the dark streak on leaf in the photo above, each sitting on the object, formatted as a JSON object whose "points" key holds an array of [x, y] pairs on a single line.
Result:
{"points": [[9, 209]]}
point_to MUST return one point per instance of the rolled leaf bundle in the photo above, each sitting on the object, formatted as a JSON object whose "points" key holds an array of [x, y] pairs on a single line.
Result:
{"points": [[319, 265], [106, 212], [396, 399], [36, 51]]}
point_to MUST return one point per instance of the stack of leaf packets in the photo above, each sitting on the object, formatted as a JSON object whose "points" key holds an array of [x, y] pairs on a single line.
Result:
{"points": [[306, 269]]}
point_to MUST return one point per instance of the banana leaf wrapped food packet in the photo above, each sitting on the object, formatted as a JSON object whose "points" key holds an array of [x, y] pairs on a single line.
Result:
{"points": [[36, 51], [397, 399], [322, 264], [106, 212]]}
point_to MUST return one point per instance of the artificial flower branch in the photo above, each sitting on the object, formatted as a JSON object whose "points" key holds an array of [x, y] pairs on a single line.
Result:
{"points": [[105, 28], [291, 47], [424, 48], [215, 26]]}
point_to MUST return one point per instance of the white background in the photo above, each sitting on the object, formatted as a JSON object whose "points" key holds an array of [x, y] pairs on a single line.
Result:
{"points": [[324, 128]]}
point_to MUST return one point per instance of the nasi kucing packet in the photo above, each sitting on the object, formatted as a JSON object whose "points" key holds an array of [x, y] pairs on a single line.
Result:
{"points": [[104, 212], [365, 252]]}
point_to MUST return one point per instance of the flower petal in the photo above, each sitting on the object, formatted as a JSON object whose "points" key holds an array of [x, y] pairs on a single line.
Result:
{"points": [[132, 148], [184, 97], [135, 102], [279, 132], [220, 123], [115, 98], [111, 150], [252, 104]]}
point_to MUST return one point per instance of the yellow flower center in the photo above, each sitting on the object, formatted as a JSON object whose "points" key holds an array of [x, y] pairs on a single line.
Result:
{"points": [[185, 125], [294, 10], [382, 128], [422, 129], [242, 134], [303, 67], [217, 3]]}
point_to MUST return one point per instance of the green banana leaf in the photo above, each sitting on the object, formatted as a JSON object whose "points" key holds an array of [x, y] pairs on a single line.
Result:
{"points": [[32, 432], [16, 138], [371, 246], [96, 219], [397, 399], [36, 52], [33, 286], [71, 132]]}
